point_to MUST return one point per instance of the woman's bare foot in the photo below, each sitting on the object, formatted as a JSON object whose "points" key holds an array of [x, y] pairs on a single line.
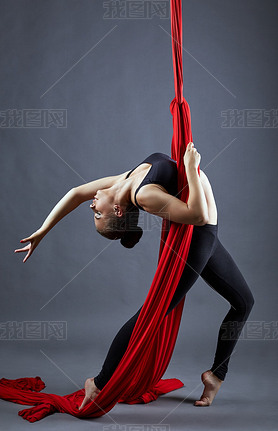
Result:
{"points": [[212, 385], [91, 392]]}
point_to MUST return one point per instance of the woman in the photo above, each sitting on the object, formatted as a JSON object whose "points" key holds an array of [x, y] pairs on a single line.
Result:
{"points": [[152, 186]]}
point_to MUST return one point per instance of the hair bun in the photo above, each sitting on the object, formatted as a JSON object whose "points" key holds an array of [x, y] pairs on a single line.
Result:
{"points": [[131, 237]]}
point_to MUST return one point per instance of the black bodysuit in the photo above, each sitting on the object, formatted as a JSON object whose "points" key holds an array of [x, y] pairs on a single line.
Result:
{"points": [[163, 171], [207, 258]]}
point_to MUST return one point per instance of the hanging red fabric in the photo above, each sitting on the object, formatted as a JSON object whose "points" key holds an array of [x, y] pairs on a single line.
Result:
{"points": [[138, 377]]}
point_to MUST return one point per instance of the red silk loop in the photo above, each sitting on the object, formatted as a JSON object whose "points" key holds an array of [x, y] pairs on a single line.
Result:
{"points": [[138, 376]]}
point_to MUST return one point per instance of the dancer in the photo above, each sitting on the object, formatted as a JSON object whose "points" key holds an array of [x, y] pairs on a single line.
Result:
{"points": [[152, 186]]}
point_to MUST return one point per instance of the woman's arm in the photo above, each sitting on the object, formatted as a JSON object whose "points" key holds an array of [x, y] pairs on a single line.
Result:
{"points": [[195, 211], [196, 202], [67, 204], [72, 199]]}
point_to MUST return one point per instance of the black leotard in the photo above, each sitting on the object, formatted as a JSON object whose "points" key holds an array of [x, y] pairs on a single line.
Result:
{"points": [[163, 171]]}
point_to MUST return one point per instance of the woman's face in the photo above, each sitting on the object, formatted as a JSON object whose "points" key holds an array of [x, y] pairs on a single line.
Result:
{"points": [[102, 205]]}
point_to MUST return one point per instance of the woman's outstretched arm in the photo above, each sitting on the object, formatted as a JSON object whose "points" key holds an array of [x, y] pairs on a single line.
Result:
{"points": [[72, 199], [67, 204]]}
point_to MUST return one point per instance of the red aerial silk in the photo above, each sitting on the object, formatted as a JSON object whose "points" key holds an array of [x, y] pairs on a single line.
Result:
{"points": [[138, 377]]}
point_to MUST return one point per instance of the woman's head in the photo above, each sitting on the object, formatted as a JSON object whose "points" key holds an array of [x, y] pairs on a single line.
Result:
{"points": [[115, 221]]}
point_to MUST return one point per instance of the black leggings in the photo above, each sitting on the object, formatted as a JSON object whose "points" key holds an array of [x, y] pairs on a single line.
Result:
{"points": [[207, 257]]}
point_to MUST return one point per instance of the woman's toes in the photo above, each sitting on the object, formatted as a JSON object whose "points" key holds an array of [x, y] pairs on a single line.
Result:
{"points": [[203, 402], [211, 386]]}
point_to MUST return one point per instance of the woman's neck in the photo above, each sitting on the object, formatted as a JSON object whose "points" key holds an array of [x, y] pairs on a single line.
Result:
{"points": [[124, 189]]}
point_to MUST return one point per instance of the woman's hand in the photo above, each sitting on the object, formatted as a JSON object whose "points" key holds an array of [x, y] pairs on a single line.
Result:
{"points": [[191, 156], [34, 239]]}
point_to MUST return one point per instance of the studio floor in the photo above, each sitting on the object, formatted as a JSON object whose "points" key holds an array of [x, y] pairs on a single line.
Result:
{"points": [[246, 400]]}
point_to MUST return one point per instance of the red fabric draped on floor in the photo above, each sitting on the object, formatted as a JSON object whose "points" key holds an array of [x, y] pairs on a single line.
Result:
{"points": [[138, 377]]}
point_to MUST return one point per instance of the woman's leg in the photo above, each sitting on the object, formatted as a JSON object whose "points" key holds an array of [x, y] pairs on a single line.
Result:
{"points": [[116, 352], [201, 248], [223, 275]]}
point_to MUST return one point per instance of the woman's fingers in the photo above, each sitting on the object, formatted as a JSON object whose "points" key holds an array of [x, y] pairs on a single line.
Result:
{"points": [[33, 240], [191, 155], [27, 255], [26, 248], [22, 249], [190, 147]]}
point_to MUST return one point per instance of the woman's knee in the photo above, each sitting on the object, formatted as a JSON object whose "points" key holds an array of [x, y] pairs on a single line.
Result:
{"points": [[245, 303], [250, 301]]}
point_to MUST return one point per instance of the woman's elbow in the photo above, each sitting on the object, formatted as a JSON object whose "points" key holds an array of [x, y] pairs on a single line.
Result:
{"points": [[73, 192], [76, 195], [201, 220]]}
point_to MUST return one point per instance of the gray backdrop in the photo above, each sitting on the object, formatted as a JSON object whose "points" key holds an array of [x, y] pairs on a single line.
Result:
{"points": [[113, 80]]}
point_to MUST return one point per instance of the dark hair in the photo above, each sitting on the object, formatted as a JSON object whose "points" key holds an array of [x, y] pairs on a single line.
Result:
{"points": [[124, 228]]}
